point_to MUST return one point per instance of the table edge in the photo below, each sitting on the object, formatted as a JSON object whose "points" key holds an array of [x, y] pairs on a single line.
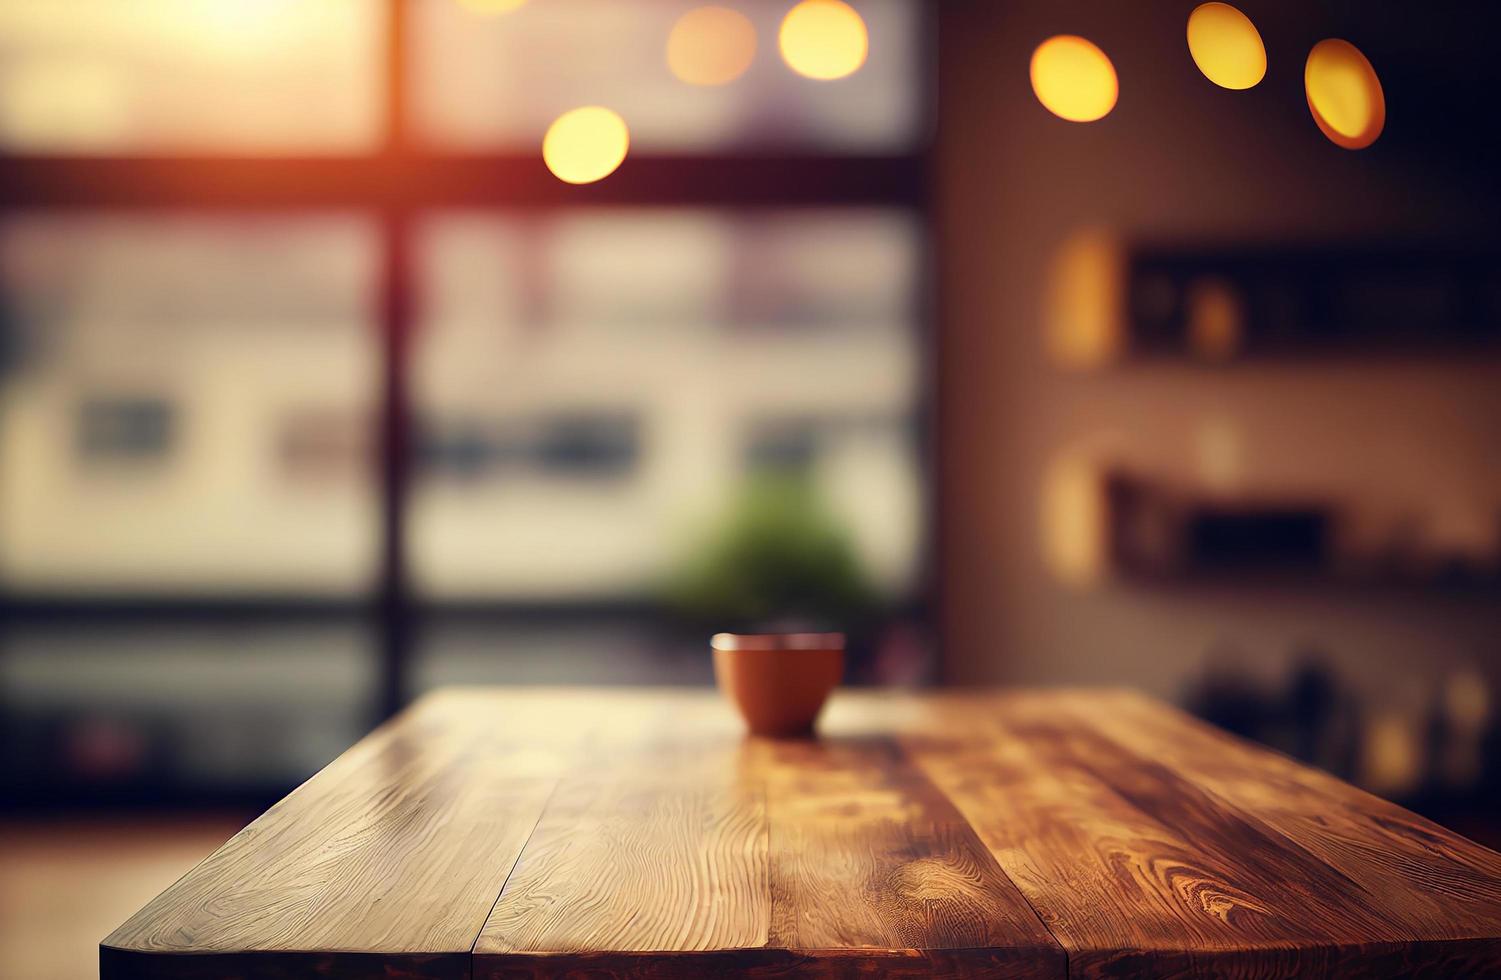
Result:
{"points": [[123, 963]]}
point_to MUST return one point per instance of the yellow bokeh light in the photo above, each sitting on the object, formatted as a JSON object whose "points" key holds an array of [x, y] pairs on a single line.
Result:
{"points": [[1391, 760], [1226, 46], [490, 7], [823, 39], [1073, 522], [711, 46], [1344, 94], [1074, 79], [585, 145]]}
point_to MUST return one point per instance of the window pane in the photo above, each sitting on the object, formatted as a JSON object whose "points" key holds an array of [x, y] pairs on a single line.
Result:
{"points": [[131, 76], [185, 404], [110, 708], [595, 389], [485, 78], [567, 649]]}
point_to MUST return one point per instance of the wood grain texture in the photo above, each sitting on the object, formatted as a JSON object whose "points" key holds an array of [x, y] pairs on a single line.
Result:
{"points": [[530, 834], [777, 858], [638, 864], [1406, 896], [1139, 868], [867, 853], [393, 855]]}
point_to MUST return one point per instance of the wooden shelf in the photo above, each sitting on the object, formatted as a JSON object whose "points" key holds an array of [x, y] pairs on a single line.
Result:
{"points": [[1249, 304], [1182, 538]]}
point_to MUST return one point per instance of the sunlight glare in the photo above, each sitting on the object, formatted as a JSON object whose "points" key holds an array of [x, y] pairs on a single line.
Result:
{"points": [[490, 8]]}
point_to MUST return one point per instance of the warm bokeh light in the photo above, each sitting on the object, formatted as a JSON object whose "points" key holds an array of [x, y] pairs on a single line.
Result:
{"points": [[489, 7], [823, 39], [1344, 94], [1220, 453], [1226, 46], [1216, 319], [277, 77], [481, 85], [711, 46], [1084, 300], [1072, 522], [1074, 79], [1392, 757], [585, 145]]}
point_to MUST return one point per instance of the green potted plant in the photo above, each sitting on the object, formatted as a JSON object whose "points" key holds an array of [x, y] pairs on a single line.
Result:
{"points": [[777, 561]]}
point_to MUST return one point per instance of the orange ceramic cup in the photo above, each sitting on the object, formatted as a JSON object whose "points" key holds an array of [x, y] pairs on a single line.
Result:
{"points": [[778, 681]]}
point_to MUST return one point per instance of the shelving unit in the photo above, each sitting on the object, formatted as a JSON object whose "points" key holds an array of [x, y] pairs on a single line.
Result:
{"points": [[1288, 301]]}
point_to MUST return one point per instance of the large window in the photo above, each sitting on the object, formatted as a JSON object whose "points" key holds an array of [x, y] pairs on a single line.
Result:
{"points": [[182, 387], [174, 76], [305, 357], [591, 384], [494, 83]]}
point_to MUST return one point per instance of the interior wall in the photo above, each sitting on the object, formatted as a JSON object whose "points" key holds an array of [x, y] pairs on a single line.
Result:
{"points": [[1180, 160]]}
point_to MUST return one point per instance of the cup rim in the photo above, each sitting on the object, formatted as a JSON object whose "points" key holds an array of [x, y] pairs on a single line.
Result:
{"points": [[738, 642]]}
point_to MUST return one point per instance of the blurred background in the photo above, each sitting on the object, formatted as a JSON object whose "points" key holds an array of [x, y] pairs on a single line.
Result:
{"points": [[318, 390]]}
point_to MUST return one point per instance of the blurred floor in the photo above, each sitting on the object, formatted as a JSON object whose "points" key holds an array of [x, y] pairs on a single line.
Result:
{"points": [[65, 884]]}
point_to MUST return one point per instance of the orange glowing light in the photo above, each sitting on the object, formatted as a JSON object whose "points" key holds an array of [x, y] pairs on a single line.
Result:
{"points": [[1226, 46], [1216, 319], [585, 145], [711, 46], [823, 39], [1073, 79], [1344, 94], [1084, 294]]}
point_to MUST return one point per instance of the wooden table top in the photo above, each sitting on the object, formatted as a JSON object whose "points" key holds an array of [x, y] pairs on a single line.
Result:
{"points": [[500, 833]]}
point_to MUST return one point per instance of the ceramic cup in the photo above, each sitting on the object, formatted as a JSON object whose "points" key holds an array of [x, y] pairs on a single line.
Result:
{"points": [[778, 681]]}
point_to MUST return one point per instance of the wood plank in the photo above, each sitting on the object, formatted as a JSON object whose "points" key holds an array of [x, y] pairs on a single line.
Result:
{"points": [[1107, 875], [638, 865], [816, 858], [1137, 869], [1096, 868], [386, 863], [1439, 894], [915, 838], [650, 859], [867, 854]]}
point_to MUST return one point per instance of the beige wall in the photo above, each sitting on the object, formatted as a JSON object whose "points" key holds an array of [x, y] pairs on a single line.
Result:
{"points": [[1180, 161]]}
